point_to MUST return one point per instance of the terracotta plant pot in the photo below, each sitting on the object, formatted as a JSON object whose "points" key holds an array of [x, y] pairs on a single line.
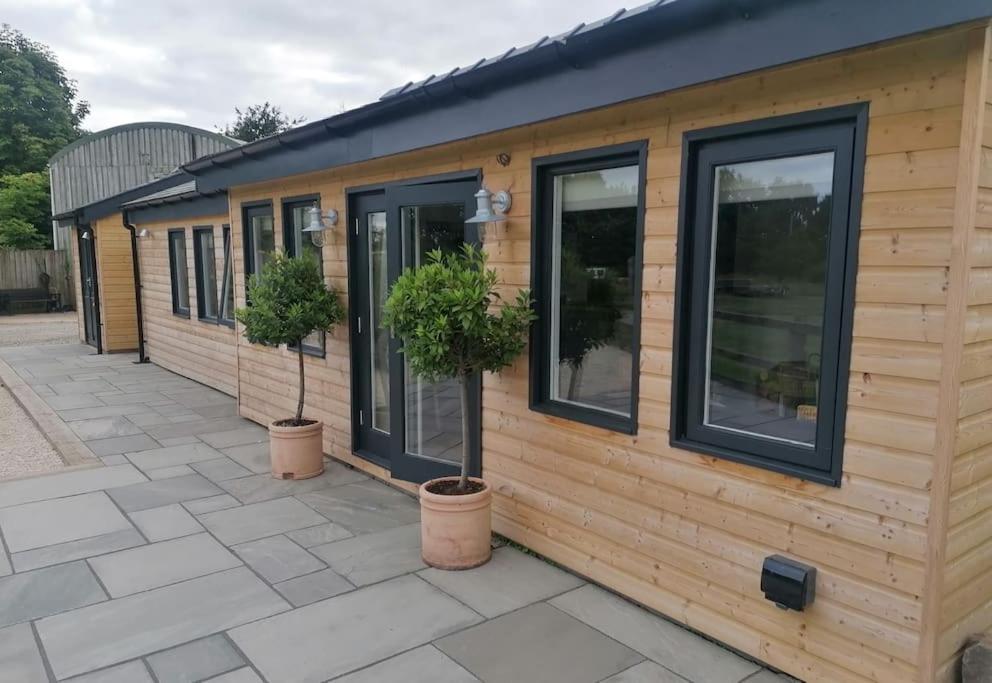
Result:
{"points": [[455, 530], [296, 452]]}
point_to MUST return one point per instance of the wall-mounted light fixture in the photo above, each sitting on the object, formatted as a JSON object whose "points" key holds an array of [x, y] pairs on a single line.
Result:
{"points": [[144, 233], [490, 208], [86, 233], [318, 223]]}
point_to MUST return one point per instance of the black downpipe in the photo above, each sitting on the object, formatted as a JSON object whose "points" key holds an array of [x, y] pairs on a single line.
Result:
{"points": [[142, 358]]}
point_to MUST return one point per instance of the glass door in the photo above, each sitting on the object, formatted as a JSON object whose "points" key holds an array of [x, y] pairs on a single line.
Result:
{"points": [[411, 426]]}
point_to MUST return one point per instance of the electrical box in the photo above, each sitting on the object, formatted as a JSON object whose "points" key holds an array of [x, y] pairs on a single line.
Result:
{"points": [[787, 583]]}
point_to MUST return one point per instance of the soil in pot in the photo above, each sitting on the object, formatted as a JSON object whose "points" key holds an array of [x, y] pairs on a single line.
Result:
{"points": [[449, 487], [293, 422]]}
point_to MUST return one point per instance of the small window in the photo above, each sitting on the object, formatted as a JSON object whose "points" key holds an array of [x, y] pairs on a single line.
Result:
{"points": [[588, 234], [205, 268], [765, 290], [227, 284], [178, 271], [294, 219], [259, 236]]}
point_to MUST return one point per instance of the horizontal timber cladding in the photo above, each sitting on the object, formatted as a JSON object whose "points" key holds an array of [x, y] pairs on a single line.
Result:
{"points": [[201, 350], [681, 532], [115, 276], [966, 587]]}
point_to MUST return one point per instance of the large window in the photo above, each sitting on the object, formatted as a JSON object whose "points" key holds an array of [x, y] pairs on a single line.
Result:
{"points": [[765, 286], [259, 236], [294, 218], [227, 284], [588, 234], [178, 272], [205, 266]]}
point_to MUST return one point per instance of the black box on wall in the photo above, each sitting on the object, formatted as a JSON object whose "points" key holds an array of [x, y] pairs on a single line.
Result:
{"points": [[788, 583]]}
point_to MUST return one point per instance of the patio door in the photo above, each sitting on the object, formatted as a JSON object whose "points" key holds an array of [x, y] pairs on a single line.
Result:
{"points": [[401, 422], [89, 289]]}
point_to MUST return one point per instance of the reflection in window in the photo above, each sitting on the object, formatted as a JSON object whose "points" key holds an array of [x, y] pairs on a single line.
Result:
{"points": [[179, 272], [767, 289], [298, 242], [592, 308], [206, 273], [378, 286], [227, 288]]}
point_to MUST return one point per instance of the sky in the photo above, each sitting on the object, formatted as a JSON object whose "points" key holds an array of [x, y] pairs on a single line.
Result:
{"points": [[194, 61]]}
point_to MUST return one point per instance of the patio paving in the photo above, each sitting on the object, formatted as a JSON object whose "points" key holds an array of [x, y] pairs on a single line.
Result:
{"points": [[179, 559]]}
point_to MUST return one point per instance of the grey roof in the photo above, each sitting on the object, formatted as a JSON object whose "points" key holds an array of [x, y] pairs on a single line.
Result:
{"points": [[223, 140], [169, 192], [631, 54]]}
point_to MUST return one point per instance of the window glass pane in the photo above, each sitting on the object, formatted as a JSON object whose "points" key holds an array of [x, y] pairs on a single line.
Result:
{"points": [[299, 242], [263, 241], [433, 410], [378, 284], [592, 307], [766, 301], [207, 273], [227, 289], [180, 273]]}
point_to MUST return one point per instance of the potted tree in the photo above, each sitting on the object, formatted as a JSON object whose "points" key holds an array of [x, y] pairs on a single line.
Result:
{"points": [[288, 302], [441, 312]]}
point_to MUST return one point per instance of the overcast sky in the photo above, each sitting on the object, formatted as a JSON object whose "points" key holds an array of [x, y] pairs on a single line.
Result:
{"points": [[193, 61]]}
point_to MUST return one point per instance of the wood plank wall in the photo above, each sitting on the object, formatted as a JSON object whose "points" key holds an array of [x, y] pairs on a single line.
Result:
{"points": [[115, 273], [201, 350], [966, 581], [682, 533]]}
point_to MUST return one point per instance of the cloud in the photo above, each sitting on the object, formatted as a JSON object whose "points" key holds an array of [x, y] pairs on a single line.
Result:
{"points": [[194, 61]]}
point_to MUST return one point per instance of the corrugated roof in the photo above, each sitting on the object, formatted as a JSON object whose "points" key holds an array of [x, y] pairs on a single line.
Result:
{"points": [[184, 188]]}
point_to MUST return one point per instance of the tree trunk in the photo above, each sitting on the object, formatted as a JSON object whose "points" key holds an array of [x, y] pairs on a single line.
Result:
{"points": [[463, 390], [299, 404]]}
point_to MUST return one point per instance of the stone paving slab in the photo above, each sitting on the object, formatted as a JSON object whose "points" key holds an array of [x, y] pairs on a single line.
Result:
{"points": [[42, 592], [277, 558], [364, 507], [539, 644], [67, 484], [211, 504], [49, 522], [170, 472], [254, 456], [155, 494], [104, 428], [509, 581], [122, 444], [220, 469], [173, 455], [76, 550], [649, 672], [237, 437], [318, 535], [100, 635], [683, 652], [260, 487], [163, 523], [159, 564], [130, 672], [370, 558], [244, 675], [248, 522], [350, 631], [20, 661], [195, 661], [309, 588], [424, 664]]}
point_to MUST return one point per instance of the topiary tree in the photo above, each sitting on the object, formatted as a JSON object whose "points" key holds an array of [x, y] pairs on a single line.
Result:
{"points": [[441, 313], [288, 302]]}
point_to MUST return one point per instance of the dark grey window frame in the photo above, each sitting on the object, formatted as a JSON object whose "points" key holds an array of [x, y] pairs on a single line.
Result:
{"points": [[543, 170], [226, 238], [289, 245], [842, 130], [177, 308], [248, 209], [199, 275]]}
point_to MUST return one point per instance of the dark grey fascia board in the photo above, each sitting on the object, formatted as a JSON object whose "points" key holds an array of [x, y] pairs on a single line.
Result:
{"points": [[663, 48], [179, 208], [111, 205]]}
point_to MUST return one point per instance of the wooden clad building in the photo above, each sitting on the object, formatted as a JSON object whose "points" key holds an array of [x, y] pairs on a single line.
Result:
{"points": [[764, 298]]}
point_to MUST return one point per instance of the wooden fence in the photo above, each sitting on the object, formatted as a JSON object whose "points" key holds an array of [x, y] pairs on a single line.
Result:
{"points": [[23, 269]]}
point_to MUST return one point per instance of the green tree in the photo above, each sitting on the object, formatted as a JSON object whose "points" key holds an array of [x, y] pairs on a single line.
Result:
{"points": [[260, 121], [39, 111], [289, 301], [442, 313], [24, 211]]}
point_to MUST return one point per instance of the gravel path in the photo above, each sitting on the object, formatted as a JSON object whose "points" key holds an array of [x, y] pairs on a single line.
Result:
{"points": [[38, 328], [23, 449]]}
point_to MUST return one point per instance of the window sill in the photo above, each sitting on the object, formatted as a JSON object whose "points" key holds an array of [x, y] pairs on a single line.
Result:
{"points": [[591, 417], [799, 471], [181, 314], [226, 323]]}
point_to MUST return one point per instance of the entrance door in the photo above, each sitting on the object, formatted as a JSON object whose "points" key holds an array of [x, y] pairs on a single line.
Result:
{"points": [[411, 426], [89, 289]]}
